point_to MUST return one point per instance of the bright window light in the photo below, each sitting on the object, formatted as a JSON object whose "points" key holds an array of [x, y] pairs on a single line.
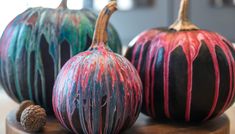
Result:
{"points": [[99, 4], [125, 4], [75, 4], [72, 4], [9, 9]]}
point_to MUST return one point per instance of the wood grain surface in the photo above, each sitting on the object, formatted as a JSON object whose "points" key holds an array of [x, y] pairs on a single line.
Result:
{"points": [[144, 125]]}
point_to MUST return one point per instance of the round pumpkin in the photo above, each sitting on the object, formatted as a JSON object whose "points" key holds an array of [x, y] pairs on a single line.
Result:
{"points": [[98, 91], [36, 44], [187, 73]]}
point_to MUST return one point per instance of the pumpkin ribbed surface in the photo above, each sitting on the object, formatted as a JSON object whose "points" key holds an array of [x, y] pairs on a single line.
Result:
{"points": [[37, 43], [187, 75]]}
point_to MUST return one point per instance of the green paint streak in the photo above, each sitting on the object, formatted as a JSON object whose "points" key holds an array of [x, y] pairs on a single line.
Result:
{"points": [[28, 79], [17, 84], [36, 88], [56, 26], [9, 71], [84, 31], [13, 53], [29, 49], [40, 70]]}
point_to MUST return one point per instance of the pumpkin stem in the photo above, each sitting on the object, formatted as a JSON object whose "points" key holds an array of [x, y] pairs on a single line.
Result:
{"points": [[100, 34], [63, 4], [183, 23]]}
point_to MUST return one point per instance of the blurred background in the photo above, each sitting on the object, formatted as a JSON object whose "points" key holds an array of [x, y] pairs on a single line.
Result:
{"points": [[138, 15]]}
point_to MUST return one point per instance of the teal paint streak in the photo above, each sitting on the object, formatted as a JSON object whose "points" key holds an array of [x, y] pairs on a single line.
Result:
{"points": [[40, 71], [84, 31], [14, 51], [27, 34], [29, 78], [36, 88], [76, 27], [17, 84], [10, 73]]}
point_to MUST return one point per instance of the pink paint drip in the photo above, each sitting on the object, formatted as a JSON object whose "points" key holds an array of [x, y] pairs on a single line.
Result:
{"points": [[57, 97], [209, 40], [191, 54], [232, 69], [152, 85], [5, 41], [142, 39], [152, 56], [229, 58], [88, 62], [191, 49], [68, 108]]}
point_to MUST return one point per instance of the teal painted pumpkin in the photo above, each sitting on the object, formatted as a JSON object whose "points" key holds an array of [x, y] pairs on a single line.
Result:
{"points": [[37, 43]]}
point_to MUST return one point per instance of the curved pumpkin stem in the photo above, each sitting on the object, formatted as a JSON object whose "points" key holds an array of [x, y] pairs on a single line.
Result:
{"points": [[100, 34], [183, 22], [63, 4]]}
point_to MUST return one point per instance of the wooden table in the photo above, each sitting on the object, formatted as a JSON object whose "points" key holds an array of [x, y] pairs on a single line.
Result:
{"points": [[145, 125]]}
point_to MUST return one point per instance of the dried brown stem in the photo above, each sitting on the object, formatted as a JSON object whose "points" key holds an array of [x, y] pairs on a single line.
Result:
{"points": [[63, 4], [183, 23], [100, 34]]}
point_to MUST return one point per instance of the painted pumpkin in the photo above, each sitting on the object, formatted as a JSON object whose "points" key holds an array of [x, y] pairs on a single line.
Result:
{"points": [[187, 73], [98, 91], [37, 43]]}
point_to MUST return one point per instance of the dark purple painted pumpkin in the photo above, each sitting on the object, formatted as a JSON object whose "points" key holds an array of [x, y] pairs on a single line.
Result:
{"points": [[187, 73], [98, 91], [37, 43]]}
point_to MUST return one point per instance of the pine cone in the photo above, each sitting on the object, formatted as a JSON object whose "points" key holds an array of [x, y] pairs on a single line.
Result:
{"points": [[33, 118], [22, 106]]}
